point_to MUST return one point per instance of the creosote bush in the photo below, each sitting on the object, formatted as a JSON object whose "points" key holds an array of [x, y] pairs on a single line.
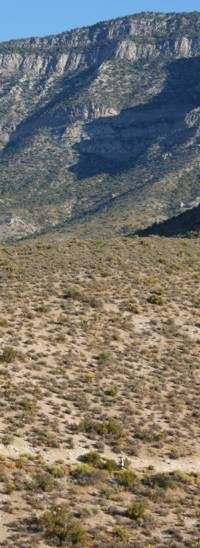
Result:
{"points": [[77, 295], [108, 428], [126, 478], [42, 482], [137, 510], [8, 355], [60, 528], [94, 459], [85, 474], [163, 480], [155, 299]]}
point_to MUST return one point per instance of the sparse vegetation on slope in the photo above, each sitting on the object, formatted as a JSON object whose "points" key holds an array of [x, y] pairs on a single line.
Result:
{"points": [[99, 422]]}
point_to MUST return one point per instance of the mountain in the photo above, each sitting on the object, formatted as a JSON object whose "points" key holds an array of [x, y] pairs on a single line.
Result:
{"points": [[100, 126], [185, 224]]}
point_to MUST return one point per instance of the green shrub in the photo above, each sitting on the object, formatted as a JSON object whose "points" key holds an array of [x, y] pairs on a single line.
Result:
{"points": [[155, 299], [104, 358], [107, 428], [162, 480], [77, 295], [47, 438], [126, 478], [28, 405], [120, 533], [42, 482], [92, 458], [42, 308], [134, 307], [8, 355], [110, 492], [85, 474], [109, 464], [7, 439], [111, 391], [72, 293], [137, 510], [3, 322], [60, 527], [56, 470], [88, 378]]}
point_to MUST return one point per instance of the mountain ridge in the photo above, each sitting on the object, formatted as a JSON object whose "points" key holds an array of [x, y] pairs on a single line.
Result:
{"points": [[100, 124], [99, 23]]}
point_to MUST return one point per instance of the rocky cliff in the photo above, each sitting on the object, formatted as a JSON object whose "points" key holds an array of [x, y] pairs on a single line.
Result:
{"points": [[100, 126]]}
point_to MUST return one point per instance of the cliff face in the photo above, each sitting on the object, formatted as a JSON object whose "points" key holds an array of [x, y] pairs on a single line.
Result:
{"points": [[99, 127]]}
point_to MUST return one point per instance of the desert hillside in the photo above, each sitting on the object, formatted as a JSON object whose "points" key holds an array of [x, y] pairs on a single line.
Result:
{"points": [[100, 362]]}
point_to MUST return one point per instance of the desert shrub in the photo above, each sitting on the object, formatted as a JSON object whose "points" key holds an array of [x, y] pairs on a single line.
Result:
{"points": [[105, 273], [197, 301], [8, 355], [28, 405], [104, 358], [60, 338], [77, 295], [61, 528], [88, 378], [155, 299], [137, 510], [47, 438], [109, 464], [92, 301], [92, 458], [126, 478], [158, 291], [110, 492], [9, 487], [3, 322], [42, 308], [133, 307], [86, 474], [162, 480], [120, 533], [56, 470], [7, 439], [72, 293], [24, 459], [111, 391], [42, 482], [107, 428]]}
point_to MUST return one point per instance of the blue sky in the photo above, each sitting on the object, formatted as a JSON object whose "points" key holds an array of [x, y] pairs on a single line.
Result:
{"points": [[19, 18]]}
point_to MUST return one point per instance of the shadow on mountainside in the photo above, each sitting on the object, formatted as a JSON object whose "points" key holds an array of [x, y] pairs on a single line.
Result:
{"points": [[182, 225], [118, 143], [53, 115]]}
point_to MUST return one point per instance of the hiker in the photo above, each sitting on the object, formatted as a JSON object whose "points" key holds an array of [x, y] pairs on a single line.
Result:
{"points": [[121, 463]]}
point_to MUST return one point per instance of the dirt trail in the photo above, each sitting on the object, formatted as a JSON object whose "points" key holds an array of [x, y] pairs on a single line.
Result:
{"points": [[189, 464]]}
